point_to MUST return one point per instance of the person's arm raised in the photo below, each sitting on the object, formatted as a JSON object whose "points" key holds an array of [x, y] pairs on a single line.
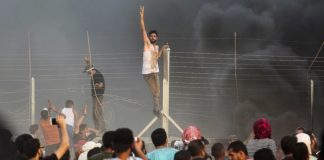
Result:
{"points": [[87, 60], [138, 147], [145, 37], [80, 120], [53, 108], [64, 146]]}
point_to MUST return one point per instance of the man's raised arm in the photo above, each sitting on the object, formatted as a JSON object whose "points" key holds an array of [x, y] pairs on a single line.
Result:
{"points": [[64, 146], [145, 38]]}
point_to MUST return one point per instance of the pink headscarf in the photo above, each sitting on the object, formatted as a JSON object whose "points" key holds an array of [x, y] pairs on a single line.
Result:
{"points": [[262, 129], [191, 133]]}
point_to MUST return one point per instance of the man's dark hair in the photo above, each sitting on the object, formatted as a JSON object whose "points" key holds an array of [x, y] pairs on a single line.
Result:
{"points": [[82, 127], [287, 144], [237, 146], [44, 114], [218, 150], [20, 140], [300, 151], [264, 154], [195, 147], [69, 103], [31, 147], [7, 146], [33, 128], [301, 128], [204, 140], [182, 155], [123, 140], [107, 139], [159, 137], [153, 32]]}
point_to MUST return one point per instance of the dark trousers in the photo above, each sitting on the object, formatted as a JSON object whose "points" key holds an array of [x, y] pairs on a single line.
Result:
{"points": [[98, 119]]}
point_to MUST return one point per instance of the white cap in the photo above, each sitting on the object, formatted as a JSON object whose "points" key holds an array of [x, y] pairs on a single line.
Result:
{"points": [[305, 138], [90, 145]]}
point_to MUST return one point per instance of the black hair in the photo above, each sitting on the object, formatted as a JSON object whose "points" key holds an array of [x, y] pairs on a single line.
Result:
{"points": [[153, 32], [123, 140], [195, 147], [7, 146], [218, 150], [69, 103], [301, 128], [264, 154], [44, 114], [159, 137], [237, 146], [82, 127], [300, 151], [20, 140], [182, 155], [287, 144], [31, 147], [107, 139], [204, 140]]}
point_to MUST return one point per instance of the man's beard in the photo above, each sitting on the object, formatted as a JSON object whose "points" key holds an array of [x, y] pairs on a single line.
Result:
{"points": [[153, 41]]}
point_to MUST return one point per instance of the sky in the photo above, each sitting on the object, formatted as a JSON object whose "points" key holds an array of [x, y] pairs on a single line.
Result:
{"points": [[276, 42]]}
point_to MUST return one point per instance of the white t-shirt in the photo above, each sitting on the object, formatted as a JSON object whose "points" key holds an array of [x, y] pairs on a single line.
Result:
{"points": [[149, 59], [69, 116]]}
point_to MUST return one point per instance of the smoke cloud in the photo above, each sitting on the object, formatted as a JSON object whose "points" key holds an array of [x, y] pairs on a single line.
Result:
{"points": [[280, 33]]}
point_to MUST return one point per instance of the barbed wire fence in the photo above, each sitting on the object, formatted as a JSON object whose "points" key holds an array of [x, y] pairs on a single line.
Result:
{"points": [[202, 84]]}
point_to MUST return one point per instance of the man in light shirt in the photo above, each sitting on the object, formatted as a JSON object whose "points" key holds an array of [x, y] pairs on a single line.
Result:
{"points": [[150, 68]]}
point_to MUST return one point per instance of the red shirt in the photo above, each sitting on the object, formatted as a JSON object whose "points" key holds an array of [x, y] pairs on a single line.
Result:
{"points": [[50, 132]]}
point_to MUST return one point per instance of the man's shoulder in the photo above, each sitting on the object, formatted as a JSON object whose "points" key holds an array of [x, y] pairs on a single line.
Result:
{"points": [[167, 149], [98, 72], [162, 151]]}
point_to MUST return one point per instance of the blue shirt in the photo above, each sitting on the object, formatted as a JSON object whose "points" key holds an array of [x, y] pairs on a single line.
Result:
{"points": [[162, 154]]}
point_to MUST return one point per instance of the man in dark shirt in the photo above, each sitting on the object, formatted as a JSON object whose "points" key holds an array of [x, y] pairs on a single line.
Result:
{"points": [[97, 93]]}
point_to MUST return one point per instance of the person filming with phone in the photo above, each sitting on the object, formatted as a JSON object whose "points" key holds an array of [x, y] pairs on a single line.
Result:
{"points": [[32, 149], [50, 132]]}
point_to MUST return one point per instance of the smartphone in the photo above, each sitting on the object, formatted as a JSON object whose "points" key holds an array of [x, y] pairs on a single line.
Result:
{"points": [[53, 121]]}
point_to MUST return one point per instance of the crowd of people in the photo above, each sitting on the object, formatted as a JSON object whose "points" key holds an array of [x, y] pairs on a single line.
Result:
{"points": [[60, 139]]}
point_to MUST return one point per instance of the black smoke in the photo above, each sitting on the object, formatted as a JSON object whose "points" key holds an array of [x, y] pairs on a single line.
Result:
{"points": [[285, 35]]}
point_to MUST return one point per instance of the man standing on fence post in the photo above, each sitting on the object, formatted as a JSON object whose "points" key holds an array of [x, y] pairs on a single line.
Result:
{"points": [[150, 68], [97, 93]]}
